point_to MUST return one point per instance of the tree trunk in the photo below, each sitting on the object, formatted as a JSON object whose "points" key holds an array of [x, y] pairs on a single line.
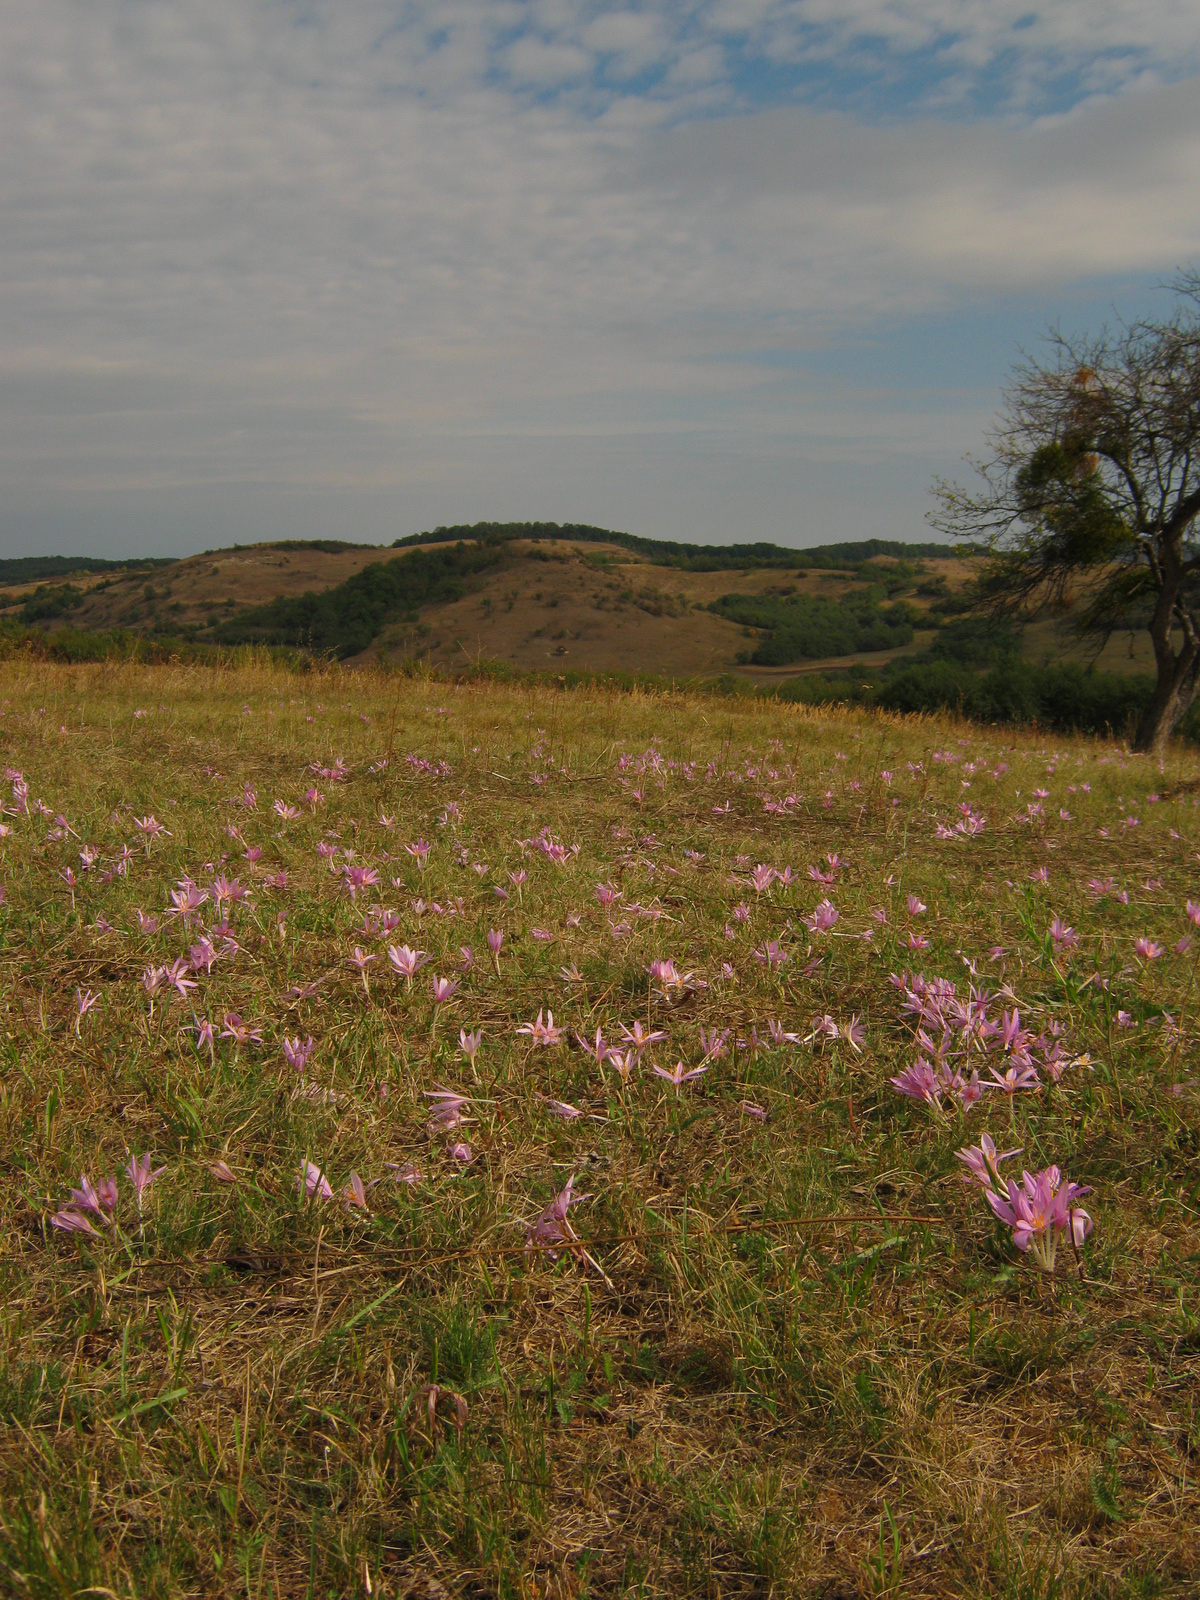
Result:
{"points": [[1174, 691]]}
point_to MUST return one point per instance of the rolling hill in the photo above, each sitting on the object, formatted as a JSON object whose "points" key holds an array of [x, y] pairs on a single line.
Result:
{"points": [[529, 595]]}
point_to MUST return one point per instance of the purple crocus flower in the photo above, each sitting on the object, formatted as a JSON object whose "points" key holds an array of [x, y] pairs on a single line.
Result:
{"points": [[296, 1052], [679, 1074], [447, 1108], [560, 1108], [552, 1227], [72, 1222], [823, 918], [141, 1176], [983, 1161], [406, 962], [1040, 1211], [313, 1182]]}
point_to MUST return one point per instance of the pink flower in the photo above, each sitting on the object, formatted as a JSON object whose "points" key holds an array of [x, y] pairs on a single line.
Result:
{"points": [[916, 906], [176, 976], [714, 1044], [672, 983], [443, 990], [447, 1108], [469, 1043], [153, 979], [679, 1074], [1064, 938], [84, 1001], [204, 1033], [823, 918], [1015, 1077], [1193, 912], [356, 878], [141, 1176], [296, 1053], [360, 961], [984, 1160], [313, 1182], [461, 1153], [552, 1228], [1040, 1211], [772, 954], [406, 962], [1148, 949], [917, 941], [542, 1033], [560, 1108], [639, 1038], [854, 1034], [405, 1172], [823, 1028], [72, 1222], [202, 954], [98, 1202], [606, 893], [240, 1032]]}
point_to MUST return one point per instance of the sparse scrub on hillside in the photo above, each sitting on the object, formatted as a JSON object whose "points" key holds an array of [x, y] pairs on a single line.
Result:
{"points": [[484, 1140], [35, 569]]}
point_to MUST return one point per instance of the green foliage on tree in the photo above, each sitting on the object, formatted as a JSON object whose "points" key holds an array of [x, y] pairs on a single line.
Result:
{"points": [[1091, 494], [47, 602]]}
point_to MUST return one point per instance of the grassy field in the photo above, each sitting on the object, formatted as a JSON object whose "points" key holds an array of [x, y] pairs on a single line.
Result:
{"points": [[324, 1321]]}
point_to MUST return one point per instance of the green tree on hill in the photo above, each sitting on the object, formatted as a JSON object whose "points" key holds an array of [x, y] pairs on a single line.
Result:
{"points": [[1091, 495]]}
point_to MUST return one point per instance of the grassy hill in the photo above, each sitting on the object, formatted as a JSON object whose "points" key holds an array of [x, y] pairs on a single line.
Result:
{"points": [[529, 595]]}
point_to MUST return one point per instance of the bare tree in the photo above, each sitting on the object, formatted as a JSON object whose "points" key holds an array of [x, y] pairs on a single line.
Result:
{"points": [[1091, 495]]}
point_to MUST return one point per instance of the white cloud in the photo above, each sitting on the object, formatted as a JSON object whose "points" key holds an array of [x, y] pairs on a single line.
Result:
{"points": [[288, 271], [537, 62]]}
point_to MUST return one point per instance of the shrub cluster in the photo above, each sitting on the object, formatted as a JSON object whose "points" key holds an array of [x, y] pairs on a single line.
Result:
{"points": [[809, 627], [1066, 697]]}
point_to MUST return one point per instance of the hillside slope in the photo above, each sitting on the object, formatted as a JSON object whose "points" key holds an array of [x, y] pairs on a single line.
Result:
{"points": [[535, 602]]}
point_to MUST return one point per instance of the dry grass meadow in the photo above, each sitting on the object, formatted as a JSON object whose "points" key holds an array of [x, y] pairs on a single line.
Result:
{"points": [[347, 1342]]}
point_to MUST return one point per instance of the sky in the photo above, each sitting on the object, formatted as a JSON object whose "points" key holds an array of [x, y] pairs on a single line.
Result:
{"points": [[716, 270]]}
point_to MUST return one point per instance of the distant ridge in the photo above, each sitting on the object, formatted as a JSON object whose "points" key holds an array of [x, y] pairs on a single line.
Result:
{"points": [[33, 569], [688, 557]]}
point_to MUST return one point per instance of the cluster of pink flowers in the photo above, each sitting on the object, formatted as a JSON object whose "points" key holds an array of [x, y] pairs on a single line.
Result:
{"points": [[99, 1201], [1039, 1211], [956, 1036]]}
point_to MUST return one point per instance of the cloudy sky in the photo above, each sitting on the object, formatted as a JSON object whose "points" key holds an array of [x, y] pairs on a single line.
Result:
{"points": [[712, 269]]}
